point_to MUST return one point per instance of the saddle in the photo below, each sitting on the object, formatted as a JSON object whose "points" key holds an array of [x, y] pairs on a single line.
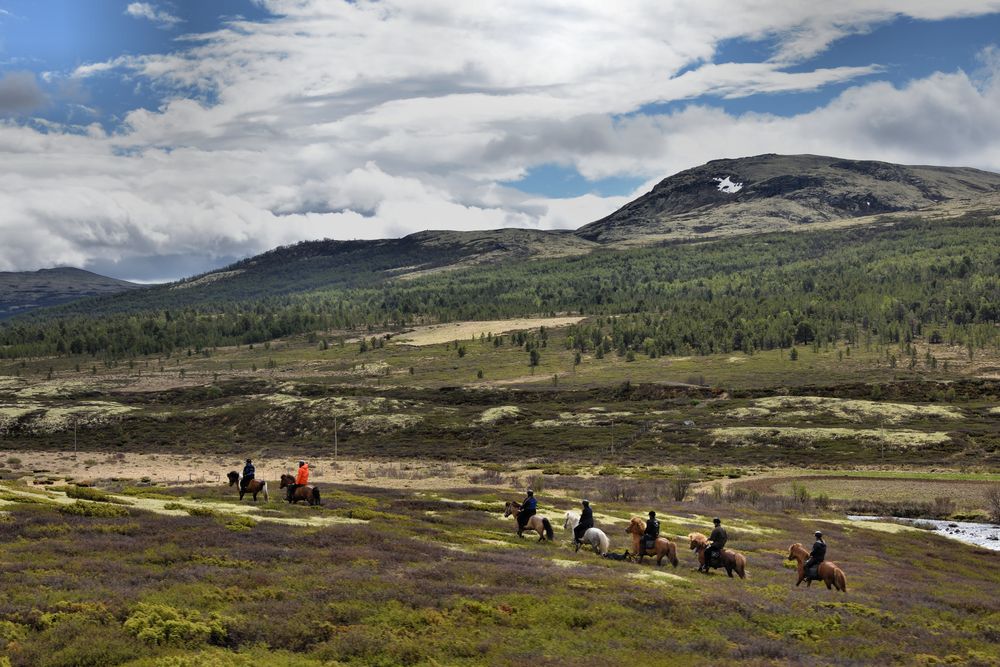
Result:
{"points": [[713, 558], [812, 572]]}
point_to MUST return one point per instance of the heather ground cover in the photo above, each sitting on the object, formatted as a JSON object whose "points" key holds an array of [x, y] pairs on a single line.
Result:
{"points": [[438, 577]]}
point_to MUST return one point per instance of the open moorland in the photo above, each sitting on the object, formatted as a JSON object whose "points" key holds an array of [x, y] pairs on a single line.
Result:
{"points": [[768, 380]]}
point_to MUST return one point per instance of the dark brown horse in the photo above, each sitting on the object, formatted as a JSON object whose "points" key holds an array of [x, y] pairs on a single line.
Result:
{"points": [[306, 492], [254, 486], [828, 572], [662, 547], [729, 559]]}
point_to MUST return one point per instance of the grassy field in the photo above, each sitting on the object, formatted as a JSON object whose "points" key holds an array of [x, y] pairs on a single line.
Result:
{"points": [[209, 583], [162, 566]]}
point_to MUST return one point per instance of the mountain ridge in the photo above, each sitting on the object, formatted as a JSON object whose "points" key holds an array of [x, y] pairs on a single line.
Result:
{"points": [[24, 291]]}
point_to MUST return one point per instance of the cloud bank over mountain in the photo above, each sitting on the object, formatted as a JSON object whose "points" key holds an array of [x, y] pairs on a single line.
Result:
{"points": [[367, 120]]}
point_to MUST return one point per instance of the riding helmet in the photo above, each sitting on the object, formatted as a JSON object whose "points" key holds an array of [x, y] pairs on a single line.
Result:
{"points": [[716, 521], [586, 503], [301, 463], [530, 492], [248, 461], [818, 534], [652, 515]]}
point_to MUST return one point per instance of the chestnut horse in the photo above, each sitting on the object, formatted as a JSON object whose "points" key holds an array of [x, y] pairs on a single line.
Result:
{"points": [[254, 486], [536, 522], [828, 572], [662, 547], [729, 559], [306, 492]]}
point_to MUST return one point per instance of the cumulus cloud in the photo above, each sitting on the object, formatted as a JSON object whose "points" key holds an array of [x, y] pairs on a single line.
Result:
{"points": [[150, 12], [373, 119], [19, 92]]}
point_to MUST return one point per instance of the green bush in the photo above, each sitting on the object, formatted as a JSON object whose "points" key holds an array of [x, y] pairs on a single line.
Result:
{"points": [[92, 494], [84, 508], [161, 624]]}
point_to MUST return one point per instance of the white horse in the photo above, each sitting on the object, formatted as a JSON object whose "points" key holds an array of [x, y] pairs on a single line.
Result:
{"points": [[595, 537]]}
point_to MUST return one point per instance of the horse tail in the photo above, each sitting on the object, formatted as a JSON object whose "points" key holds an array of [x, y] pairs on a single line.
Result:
{"points": [[741, 567], [841, 580], [316, 495], [548, 529], [267, 498], [672, 554], [605, 543]]}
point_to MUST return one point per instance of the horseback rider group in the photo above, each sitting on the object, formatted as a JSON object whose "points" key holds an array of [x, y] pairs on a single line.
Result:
{"points": [[248, 473], [528, 509], [301, 479], [585, 524], [650, 536], [716, 541], [816, 556]]}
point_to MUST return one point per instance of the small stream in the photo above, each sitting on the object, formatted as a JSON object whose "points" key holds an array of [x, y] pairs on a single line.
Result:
{"points": [[986, 535]]}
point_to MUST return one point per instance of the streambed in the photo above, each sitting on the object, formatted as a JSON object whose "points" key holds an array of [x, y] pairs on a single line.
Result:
{"points": [[986, 535]]}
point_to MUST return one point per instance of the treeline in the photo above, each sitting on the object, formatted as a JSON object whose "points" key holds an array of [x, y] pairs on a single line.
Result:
{"points": [[887, 284]]}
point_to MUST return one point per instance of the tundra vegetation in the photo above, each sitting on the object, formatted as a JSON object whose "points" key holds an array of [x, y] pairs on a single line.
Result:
{"points": [[780, 381]]}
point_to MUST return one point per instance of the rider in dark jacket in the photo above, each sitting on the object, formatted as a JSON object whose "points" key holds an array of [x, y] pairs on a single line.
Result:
{"points": [[717, 540], [528, 509], [248, 473], [586, 522], [652, 532], [817, 555]]}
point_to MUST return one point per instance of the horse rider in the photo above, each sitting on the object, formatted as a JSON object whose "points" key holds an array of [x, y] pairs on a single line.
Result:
{"points": [[817, 555], [301, 479], [586, 522], [248, 473], [716, 541], [650, 535], [528, 509]]}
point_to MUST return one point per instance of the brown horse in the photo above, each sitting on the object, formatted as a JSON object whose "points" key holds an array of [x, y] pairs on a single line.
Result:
{"points": [[662, 547], [306, 492], [254, 486], [536, 522], [828, 572], [729, 559]]}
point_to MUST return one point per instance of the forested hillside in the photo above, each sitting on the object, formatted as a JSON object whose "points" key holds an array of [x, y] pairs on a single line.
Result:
{"points": [[889, 283]]}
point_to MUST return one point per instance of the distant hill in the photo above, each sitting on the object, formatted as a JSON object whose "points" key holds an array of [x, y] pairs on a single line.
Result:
{"points": [[768, 193], [722, 198], [328, 264], [21, 292]]}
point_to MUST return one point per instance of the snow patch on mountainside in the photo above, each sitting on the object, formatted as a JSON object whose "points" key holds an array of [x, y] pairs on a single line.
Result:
{"points": [[728, 186]]}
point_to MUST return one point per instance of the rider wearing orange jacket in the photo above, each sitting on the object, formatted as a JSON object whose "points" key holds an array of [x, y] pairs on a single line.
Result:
{"points": [[301, 479]]}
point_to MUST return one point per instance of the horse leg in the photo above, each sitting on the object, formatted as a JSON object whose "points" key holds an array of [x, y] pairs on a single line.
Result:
{"points": [[828, 586], [729, 571]]}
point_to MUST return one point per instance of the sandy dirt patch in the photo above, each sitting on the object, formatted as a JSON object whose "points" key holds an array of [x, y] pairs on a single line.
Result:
{"points": [[207, 469], [435, 334]]}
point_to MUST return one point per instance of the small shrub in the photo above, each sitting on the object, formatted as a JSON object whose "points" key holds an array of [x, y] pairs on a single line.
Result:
{"points": [[92, 494], [993, 502], [161, 624], [200, 511], [103, 510]]}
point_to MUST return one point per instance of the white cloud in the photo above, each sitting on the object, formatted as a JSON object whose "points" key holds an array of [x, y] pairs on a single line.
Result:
{"points": [[150, 12], [373, 119]]}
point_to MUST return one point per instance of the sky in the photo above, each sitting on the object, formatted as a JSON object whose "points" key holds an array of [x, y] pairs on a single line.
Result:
{"points": [[155, 140]]}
